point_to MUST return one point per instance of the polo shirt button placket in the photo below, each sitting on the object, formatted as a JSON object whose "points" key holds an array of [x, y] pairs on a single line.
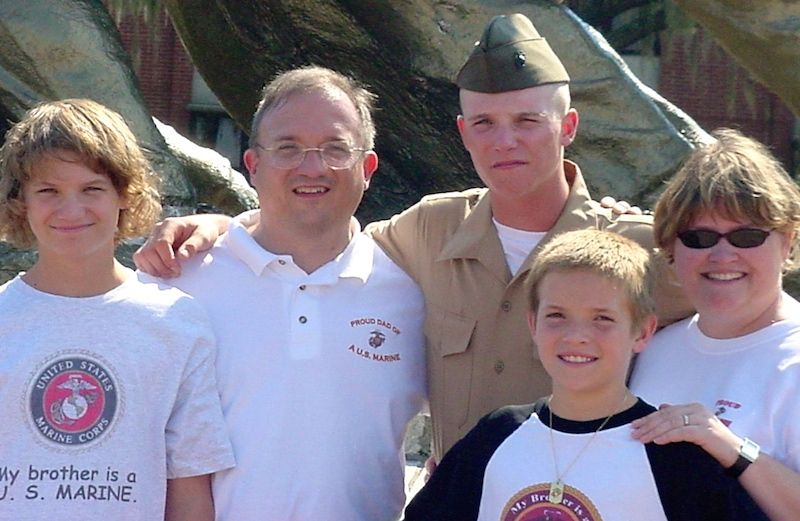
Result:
{"points": [[506, 306]]}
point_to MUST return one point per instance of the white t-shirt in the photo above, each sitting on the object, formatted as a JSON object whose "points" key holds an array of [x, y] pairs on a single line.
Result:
{"points": [[752, 382], [103, 399], [503, 469], [517, 244], [319, 375], [519, 474]]}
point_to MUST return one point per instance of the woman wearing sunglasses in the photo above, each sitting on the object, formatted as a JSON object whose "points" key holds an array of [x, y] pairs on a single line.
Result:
{"points": [[730, 376]]}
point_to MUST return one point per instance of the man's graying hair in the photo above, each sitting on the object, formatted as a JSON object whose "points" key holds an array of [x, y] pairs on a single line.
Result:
{"points": [[310, 78]]}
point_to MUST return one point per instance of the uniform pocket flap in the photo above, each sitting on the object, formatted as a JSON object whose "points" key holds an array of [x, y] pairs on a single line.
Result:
{"points": [[456, 333]]}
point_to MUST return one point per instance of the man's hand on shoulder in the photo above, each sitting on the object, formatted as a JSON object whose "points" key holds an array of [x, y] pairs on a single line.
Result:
{"points": [[176, 239], [620, 207]]}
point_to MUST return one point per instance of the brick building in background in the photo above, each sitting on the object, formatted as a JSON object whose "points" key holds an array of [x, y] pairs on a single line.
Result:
{"points": [[692, 72], [173, 90], [702, 79]]}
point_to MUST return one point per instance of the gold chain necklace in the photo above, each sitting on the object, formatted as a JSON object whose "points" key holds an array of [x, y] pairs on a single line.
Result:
{"points": [[557, 486]]}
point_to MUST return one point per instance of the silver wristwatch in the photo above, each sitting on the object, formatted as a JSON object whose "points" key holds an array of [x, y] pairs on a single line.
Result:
{"points": [[748, 453]]}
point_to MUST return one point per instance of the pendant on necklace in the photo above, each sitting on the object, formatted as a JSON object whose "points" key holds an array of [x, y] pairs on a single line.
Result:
{"points": [[556, 492]]}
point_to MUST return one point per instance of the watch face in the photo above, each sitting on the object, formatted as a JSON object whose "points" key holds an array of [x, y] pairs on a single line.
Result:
{"points": [[749, 450]]}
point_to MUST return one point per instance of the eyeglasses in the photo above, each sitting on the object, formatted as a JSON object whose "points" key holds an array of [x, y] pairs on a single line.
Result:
{"points": [[740, 238], [335, 155]]}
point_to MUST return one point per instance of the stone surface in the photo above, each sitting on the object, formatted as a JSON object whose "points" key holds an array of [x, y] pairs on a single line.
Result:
{"points": [[763, 36], [51, 49], [418, 439], [407, 51]]}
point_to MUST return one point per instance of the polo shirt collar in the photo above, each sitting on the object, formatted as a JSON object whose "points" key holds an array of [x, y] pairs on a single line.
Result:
{"points": [[355, 261]]}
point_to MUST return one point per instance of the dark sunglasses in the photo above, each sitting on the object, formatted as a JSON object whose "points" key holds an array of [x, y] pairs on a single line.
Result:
{"points": [[741, 238]]}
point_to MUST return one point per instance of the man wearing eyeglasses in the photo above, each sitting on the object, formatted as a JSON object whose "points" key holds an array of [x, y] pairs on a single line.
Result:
{"points": [[470, 251], [321, 359]]}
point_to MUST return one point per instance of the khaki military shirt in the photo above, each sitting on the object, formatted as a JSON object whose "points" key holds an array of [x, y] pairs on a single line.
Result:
{"points": [[480, 352]]}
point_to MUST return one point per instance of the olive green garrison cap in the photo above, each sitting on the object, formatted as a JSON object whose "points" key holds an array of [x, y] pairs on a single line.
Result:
{"points": [[510, 55]]}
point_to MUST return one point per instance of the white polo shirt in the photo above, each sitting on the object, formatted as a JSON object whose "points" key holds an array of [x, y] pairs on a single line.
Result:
{"points": [[319, 375]]}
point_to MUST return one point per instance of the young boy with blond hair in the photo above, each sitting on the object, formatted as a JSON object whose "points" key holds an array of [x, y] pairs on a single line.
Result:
{"points": [[110, 408], [571, 455]]}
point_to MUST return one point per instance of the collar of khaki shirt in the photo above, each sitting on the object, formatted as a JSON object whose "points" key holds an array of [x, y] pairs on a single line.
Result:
{"points": [[475, 240]]}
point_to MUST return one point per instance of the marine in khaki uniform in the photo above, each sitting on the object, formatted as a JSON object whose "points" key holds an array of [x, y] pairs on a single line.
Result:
{"points": [[470, 251], [515, 122]]}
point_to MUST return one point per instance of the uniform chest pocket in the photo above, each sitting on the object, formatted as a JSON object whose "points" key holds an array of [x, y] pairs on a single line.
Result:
{"points": [[449, 333]]}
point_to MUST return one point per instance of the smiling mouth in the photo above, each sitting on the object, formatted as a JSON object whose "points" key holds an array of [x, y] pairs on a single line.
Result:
{"points": [[577, 359], [311, 190], [68, 229], [724, 276]]}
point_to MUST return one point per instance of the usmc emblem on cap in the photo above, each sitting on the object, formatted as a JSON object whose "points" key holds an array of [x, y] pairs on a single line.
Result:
{"points": [[73, 400], [519, 59]]}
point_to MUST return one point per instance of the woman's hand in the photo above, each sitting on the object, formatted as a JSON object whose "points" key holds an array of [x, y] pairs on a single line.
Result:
{"points": [[691, 423]]}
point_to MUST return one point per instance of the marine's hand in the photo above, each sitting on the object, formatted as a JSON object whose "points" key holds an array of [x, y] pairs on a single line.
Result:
{"points": [[620, 207], [430, 467], [176, 239], [692, 423]]}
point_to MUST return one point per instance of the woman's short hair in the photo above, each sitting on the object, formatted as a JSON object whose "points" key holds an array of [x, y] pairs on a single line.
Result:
{"points": [[736, 177]]}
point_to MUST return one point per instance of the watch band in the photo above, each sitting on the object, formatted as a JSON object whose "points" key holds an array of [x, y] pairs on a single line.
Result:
{"points": [[748, 453]]}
